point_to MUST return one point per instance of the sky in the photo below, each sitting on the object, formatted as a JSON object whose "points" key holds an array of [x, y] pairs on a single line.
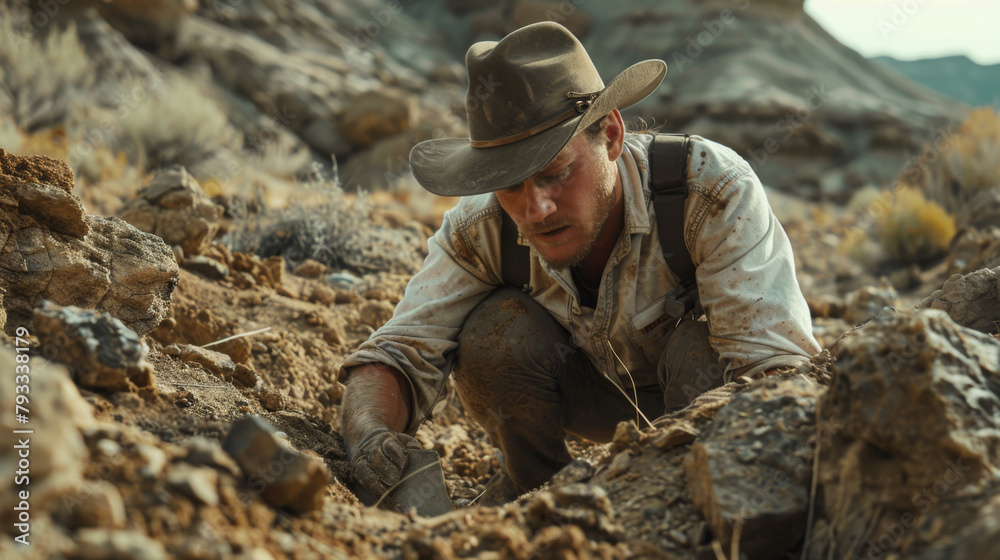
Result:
{"points": [[913, 29]]}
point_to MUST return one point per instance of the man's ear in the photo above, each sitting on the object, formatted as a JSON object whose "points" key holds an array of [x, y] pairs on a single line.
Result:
{"points": [[613, 129]]}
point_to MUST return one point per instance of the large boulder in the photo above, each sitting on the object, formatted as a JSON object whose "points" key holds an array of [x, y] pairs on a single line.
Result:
{"points": [[50, 250], [914, 398]]}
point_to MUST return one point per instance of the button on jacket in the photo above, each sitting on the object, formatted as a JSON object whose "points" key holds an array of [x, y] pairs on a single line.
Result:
{"points": [[756, 313]]}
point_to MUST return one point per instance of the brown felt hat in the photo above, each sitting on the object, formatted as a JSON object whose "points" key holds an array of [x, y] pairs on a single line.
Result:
{"points": [[529, 94]]}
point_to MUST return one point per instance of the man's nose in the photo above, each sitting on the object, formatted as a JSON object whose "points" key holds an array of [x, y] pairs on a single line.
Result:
{"points": [[538, 203]]}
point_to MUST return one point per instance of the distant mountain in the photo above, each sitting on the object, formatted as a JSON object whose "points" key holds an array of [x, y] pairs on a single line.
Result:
{"points": [[954, 76]]}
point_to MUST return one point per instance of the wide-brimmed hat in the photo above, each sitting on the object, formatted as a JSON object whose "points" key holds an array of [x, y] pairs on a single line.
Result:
{"points": [[529, 94]]}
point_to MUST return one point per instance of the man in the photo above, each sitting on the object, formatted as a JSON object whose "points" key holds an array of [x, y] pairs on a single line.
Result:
{"points": [[591, 335]]}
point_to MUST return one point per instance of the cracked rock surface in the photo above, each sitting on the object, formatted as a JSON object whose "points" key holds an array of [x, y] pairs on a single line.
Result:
{"points": [[50, 250]]}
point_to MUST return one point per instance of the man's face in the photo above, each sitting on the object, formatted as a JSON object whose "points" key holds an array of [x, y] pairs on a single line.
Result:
{"points": [[562, 209]]}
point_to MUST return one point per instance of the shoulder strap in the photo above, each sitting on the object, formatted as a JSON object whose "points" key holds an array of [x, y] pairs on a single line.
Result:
{"points": [[668, 163], [515, 260]]}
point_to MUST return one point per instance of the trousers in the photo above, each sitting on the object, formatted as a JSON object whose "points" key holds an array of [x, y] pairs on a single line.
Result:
{"points": [[520, 377]]}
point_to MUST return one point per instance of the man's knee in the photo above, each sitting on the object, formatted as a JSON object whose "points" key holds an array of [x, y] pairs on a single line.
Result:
{"points": [[507, 329]]}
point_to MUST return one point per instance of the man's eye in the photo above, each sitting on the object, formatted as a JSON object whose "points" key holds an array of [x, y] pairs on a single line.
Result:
{"points": [[558, 177]]}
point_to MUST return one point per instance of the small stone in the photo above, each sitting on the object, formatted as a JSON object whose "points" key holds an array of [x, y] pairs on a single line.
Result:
{"points": [[299, 486], [99, 350], [310, 269], [216, 362], [626, 435], [322, 294], [198, 483], [207, 267], [679, 538], [344, 280], [209, 453], [346, 296], [154, 460], [103, 507], [101, 544], [577, 470]]}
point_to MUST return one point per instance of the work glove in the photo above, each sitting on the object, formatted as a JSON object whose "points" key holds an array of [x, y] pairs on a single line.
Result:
{"points": [[379, 459]]}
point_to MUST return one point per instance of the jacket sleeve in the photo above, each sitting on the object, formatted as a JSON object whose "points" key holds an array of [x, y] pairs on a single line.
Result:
{"points": [[758, 318], [422, 335]]}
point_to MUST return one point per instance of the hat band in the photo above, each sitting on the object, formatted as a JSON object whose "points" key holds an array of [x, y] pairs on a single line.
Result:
{"points": [[579, 108]]}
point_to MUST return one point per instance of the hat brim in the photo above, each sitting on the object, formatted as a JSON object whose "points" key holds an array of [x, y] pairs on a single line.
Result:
{"points": [[452, 167]]}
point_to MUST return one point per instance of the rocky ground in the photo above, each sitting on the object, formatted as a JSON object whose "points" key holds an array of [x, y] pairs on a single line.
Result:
{"points": [[146, 352]]}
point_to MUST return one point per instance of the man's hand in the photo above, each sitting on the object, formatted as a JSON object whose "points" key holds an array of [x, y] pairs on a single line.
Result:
{"points": [[380, 459]]}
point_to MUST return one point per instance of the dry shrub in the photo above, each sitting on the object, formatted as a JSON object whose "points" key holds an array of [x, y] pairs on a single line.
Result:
{"points": [[325, 224], [976, 153], [44, 78], [177, 124], [912, 228]]}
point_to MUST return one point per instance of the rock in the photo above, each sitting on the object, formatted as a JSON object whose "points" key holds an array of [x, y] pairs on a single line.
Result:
{"points": [[50, 250], [299, 485], [626, 436], [198, 483], [585, 505], [174, 207], [100, 351], [310, 268], [374, 115], [207, 267], [56, 208], [972, 300], [752, 466], [57, 454], [153, 458], [216, 362], [101, 544], [672, 434], [866, 303], [103, 507], [204, 452], [914, 398], [982, 210]]}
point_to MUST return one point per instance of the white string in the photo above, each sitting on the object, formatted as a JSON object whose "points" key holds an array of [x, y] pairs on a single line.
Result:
{"points": [[635, 392]]}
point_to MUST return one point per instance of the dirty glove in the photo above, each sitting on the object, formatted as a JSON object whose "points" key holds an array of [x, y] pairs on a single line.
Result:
{"points": [[379, 460]]}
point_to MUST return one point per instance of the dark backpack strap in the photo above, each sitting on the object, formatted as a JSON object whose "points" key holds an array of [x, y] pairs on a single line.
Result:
{"points": [[668, 163], [515, 259]]}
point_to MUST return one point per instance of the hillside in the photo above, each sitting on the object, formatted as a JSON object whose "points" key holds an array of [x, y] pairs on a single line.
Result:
{"points": [[955, 76]]}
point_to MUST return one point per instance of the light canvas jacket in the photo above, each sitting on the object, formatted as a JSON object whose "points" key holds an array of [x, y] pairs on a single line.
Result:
{"points": [[757, 315]]}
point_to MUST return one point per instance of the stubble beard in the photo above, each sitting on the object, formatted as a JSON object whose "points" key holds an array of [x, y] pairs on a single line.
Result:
{"points": [[602, 211]]}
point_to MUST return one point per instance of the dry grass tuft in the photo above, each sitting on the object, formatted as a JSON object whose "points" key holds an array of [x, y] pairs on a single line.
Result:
{"points": [[914, 229]]}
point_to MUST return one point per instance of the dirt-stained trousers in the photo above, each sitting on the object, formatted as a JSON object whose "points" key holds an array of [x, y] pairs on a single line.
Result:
{"points": [[522, 379]]}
